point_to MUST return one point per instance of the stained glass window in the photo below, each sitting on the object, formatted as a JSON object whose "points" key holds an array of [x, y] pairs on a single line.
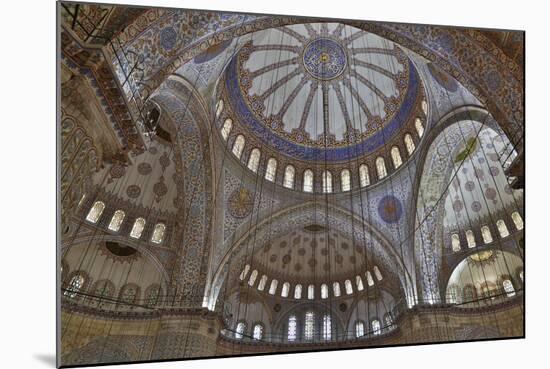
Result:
{"points": [[262, 283], [258, 332], [324, 291], [359, 329], [327, 182], [158, 233], [364, 179], [308, 181], [518, 221], [226, 129], [273, 287], [396, 157], [254, 160], [285, 290], [327, 328], [345, 178], [381, 167], [298, 292], [470, 239], [240, 330], [116, 220], [271, 169], [455, 242], [502, 229], [419, 127], [288, 180], [311, 292], [309, 325], [137, 228], [349, 287], [292, 325], [95, 212], [238, 146], [409, 144], [486, 234]]}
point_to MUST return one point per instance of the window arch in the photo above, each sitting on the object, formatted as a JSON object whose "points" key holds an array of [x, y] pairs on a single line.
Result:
{"points": [[288, 180], [103, 288], [470, 239], [419, 127], [292, 328], [75, 285], [452, 295], [518, 221], [455, 242], [388, 321], [381, 167], [95, 212], [238, 146], [298, 291], [396, 157], [253, 277], [469, 293], [152, 294], [219, 108], [137, 228], [129, 293], [327, 181], [116, 220], [336, 289], [311, 292], [424, 106], [377, 273], [261, 284], [359, 329], [508, 288], [254, 160], [327, 327], [348, 286], [364, 179], [271, 169], [502, 228], [309, 325], [359, 283], [239, 331], [244, 272], [273, 287], [308, 181], [226, 129], [285, 290], [324, 291], [486, 234], [258, 332], [158, 233], [345, 180], [370, 281], [409, 144], [375, 325]]}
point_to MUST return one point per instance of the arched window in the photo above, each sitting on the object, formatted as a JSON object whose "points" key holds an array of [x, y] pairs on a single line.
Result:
{"points": [[377, 273], [129, 293], [116, 220], [253, 276], [137, 228], [521, 275], [455, 242], [348, 286], [258, 332], [104, 288], [486, 234], [273, 287], [226, 129], [518, 221], [308, 181], [502, 229], [364, 179], [470, 239], [324, 291], [298, 291], [254, 160], [239, 331], [452, 295], [327, 327], [388, 321], [508, 288], [311, 292], [359, 283], [359, 329], [409, 144], [345, 179], [219, 108], [396, 157], [152, 294], [424, 106], [75, 284], [327, 182], [375, 325], [370, 281], [381, 167], [336, 289], [285, 290], [419, 127], [261, 284], [292, 327], [288, 180], [95, 212], [309, 325], [238, 146], [158, 233], [244, 272], [469, 293], [271, 169]]}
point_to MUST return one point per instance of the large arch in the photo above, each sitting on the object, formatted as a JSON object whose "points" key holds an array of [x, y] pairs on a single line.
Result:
{"points": [[302, 215]]}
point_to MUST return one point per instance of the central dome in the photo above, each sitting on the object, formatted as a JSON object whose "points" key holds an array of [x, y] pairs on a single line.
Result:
{"points": [[323, 92]]}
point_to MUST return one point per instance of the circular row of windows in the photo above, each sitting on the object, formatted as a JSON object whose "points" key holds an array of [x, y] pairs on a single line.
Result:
{"points": [[308, 180]]}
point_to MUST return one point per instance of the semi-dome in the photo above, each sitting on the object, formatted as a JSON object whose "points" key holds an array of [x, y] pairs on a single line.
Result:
{"points": [[323, 92]]}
